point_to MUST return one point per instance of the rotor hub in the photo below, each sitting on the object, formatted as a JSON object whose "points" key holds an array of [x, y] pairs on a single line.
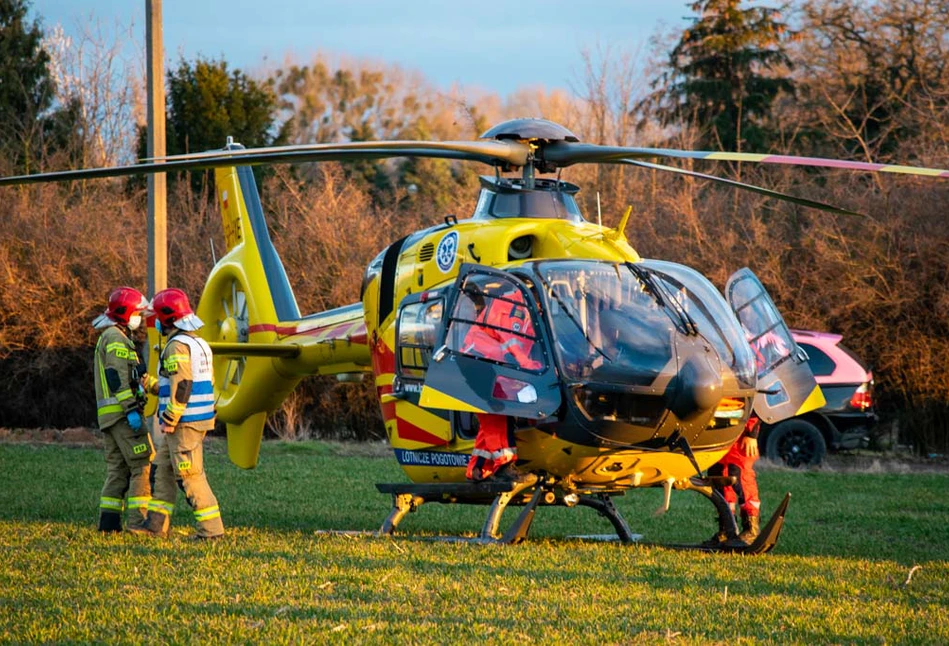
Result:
{"points": [[529, 130]]}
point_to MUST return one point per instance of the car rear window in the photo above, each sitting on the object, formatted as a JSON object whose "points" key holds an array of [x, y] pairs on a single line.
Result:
{"points": [[821, 364], [850, 354]]}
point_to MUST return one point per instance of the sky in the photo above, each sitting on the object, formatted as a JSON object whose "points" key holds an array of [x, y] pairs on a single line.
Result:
{"points": [[496, 47]]}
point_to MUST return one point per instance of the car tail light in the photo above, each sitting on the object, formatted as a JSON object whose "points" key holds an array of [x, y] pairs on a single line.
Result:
{"points": [[862, 399]]}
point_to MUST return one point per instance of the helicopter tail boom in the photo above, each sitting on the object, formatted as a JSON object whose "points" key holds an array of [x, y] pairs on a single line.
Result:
{"points": [[246, 297]]}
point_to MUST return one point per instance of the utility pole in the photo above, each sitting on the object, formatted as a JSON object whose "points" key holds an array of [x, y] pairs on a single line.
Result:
{"points": [[157, 194]]}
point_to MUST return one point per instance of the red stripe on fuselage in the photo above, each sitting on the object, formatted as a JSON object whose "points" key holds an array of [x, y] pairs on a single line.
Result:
{"points": [[354, 332], [411, 432], [388, 408]]}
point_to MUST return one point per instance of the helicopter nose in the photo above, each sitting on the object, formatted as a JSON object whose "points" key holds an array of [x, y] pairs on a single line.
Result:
{"points": [[699, 388]]}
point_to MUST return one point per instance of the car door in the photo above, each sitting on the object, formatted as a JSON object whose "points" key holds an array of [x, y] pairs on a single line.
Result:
{"points": [[786, 386], [493, 352]]}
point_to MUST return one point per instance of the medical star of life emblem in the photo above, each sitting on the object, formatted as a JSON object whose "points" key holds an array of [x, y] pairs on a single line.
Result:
{"points": [[446, 251]]}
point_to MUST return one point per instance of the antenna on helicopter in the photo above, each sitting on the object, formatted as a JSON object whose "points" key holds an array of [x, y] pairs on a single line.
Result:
{"points": [[528, 173]]}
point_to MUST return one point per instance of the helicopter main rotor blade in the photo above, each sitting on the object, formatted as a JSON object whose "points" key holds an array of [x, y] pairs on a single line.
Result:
{"points": [[748, 187], [562, 153], [509, 153]]}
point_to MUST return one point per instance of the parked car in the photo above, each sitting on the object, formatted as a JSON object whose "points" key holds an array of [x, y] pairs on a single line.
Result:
{"points": [[845, 420]]}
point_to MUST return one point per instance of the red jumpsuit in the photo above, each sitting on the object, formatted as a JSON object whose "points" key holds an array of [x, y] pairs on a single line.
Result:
{"points": [[736, 463], [495, 444], [768, 348]]}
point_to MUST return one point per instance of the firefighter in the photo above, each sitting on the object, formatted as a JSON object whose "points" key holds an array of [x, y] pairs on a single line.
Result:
{"points": [[119, 404], [739, 463], [503, 332], [185, 390]]}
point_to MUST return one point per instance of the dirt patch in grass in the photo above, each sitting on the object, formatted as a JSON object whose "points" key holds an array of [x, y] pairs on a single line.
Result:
{"points": [[78, 436], [93, 438], [869, 462]]}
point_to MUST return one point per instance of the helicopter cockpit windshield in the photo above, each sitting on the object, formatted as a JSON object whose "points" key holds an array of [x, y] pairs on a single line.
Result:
{"points": [[503, 197], [707, 309], [608, 326], [617, 323]]}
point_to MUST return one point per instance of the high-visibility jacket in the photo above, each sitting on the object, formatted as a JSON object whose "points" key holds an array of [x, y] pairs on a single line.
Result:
{"points": [[186, 382], [500, 338], [116, 365]]}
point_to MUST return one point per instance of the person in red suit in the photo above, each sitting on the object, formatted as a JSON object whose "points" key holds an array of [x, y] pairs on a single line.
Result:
{"points": [[503, 332]]}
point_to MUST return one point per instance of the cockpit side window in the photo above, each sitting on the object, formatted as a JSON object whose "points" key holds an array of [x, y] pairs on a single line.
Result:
{"points": [[418, 326], [492, 321]]}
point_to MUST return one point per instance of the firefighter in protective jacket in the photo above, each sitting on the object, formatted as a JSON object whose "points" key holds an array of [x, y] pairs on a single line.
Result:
{"points": [[503, 333], [119, 404], [185, 391]]}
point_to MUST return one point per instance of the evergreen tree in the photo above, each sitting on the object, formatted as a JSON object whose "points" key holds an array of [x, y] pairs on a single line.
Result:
{"points": [[724, 74], [207, 103], [26, 87]]}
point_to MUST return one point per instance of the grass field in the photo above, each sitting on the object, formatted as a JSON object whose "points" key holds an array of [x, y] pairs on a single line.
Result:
{"points": [[845, 570]]}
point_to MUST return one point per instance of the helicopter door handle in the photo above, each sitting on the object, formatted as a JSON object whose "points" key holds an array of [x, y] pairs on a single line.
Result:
{"points": [[472, 252], [440, 354]]}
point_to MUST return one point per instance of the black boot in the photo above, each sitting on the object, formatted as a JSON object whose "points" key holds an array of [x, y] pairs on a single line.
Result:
{"points": [[749, 528], [721, 536], [110, 521]]}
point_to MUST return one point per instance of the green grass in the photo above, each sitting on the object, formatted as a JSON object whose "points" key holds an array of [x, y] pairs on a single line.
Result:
{"points": [[839, 574]]}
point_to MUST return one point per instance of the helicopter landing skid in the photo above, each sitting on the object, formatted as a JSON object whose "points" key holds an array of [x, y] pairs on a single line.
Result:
{"points": [[409, 497], [530, 493], [765, 542]]}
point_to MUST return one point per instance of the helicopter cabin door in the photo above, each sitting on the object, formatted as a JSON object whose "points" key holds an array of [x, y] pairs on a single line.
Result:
{"points": [[493, 354], [786, 385]]}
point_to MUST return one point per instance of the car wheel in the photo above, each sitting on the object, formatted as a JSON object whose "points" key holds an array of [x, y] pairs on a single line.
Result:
{"points": [[796, 443]]}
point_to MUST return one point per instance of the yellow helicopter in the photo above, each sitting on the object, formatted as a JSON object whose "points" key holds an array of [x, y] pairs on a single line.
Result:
{"points": [[641, 373]]}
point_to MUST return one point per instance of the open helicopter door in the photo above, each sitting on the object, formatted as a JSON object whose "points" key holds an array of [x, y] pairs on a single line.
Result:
{"points": [[493, 352], [786, 385]]}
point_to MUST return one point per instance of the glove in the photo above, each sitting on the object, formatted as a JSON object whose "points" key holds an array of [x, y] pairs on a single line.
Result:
{"points": [[135, 420]]}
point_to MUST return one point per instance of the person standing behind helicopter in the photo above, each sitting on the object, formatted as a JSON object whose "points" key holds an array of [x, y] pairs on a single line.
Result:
{"points": [[185, 390], [739, 462], [128, 447], [503, 332]]}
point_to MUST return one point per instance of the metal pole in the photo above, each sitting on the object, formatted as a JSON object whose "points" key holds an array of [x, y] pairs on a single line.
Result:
{"points": [[157, 197]]}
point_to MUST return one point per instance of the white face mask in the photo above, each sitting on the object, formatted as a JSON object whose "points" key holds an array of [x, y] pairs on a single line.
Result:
{"points": [[135, 321]]}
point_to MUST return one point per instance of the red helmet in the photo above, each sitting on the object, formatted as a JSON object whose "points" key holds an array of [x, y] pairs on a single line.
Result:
{"points": [[124, 302], [170, 305]]}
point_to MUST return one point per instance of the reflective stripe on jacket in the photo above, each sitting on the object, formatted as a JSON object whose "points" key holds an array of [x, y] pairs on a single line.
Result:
{"points": [[186, 358], [114, 351]]}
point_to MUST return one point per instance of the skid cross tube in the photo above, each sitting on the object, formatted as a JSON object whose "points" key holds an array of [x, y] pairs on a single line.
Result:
{"points": [[603, 503]]}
